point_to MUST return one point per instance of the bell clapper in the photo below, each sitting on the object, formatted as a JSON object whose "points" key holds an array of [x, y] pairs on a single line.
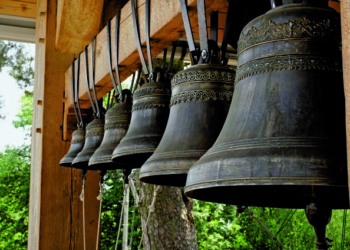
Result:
{"points": [[241, 209], [319, 215]]}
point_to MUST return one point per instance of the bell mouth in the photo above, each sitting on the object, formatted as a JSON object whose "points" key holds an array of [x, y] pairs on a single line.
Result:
{"points": [[137, 159], [66, 163], [80, 165], [278, 196], [164, 178], [106, 166]]}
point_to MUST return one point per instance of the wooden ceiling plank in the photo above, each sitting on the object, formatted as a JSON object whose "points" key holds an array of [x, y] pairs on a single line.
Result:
{"points": [[18, 8]]}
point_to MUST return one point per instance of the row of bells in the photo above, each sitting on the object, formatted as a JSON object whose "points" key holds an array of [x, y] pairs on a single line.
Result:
{"points": [[278, 143]]}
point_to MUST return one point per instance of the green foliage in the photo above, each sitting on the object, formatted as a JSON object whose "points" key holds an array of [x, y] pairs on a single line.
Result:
{"points": [[220, 227], [111, 212], [25, 115], [15, 56], [14, 197]]}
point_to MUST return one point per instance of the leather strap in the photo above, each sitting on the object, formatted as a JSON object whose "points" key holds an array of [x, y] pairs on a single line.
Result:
{"points": [[73, 93], [109, 54], [214, 25], [116, 42], [228, 25], [77, 73], [187, 25], [93, 48], [87, 81], [137, 38], [202, 23], [148, 43]]}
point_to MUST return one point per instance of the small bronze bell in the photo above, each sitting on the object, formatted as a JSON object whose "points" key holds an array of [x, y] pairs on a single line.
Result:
{"points": [[149, 113], [201, 97], [95, 129], [283, 141], [93, 139], [78, 137], [117, 124], [77, 144]]}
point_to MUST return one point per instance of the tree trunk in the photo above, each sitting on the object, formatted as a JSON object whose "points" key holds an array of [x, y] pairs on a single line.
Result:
{"points": [[170, 226]]}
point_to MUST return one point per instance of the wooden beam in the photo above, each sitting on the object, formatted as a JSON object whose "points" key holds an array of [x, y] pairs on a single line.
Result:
{"points": [[78, 22], [18, 8], [166, 27], [345, 20], [55, 213]]}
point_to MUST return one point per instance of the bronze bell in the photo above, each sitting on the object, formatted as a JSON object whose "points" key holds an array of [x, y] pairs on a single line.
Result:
{"points": [[150, 112], [78, 137], [116, 125], [201, 96], [200, 101], [283, 141], [76, 146], [93, 139]]}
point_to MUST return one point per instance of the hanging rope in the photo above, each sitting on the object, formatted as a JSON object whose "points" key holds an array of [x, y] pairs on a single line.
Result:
{"points": [[132, 225], [120, 221], [99, 197], [151, 210], [343, 229], [265, 228], [286, 221], [83, 200]]}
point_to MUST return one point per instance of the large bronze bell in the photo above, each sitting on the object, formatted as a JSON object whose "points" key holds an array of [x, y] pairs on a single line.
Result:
{"points": [[283, 142], [116, 125], [150, 112]]}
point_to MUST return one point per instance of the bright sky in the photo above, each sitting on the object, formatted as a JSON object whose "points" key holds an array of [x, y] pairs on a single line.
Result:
{"points": [[11, 95]]}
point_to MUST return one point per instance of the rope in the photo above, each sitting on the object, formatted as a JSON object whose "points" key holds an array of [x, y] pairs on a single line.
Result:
{"points": [[151, 210], [83, 200], [265, 228], [132, 225], [285, 223], [120, 222], [343, 230], [99, 197]]}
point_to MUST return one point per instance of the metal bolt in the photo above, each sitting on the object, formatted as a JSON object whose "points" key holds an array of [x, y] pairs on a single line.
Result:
{"points": [[204, 54]]}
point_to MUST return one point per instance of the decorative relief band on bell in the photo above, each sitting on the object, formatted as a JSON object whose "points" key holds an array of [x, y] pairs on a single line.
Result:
{"points": [[93, 125], [204, 75], [151, 91], [92, 133], [277, 142], [79, 132], [177, 154], [300, 28], [112, 113], [114, 126], [78, 141], [288, 62], [142, 106], [200, 95]]}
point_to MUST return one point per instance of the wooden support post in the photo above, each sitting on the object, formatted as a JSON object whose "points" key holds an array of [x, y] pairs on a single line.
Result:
{"points": [[55, 219], [345, 20], [166, 27]]}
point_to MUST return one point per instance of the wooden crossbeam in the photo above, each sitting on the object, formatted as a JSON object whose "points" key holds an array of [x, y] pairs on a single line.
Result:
{"points": [[166, 27], [24, 8], [78, 22]]}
